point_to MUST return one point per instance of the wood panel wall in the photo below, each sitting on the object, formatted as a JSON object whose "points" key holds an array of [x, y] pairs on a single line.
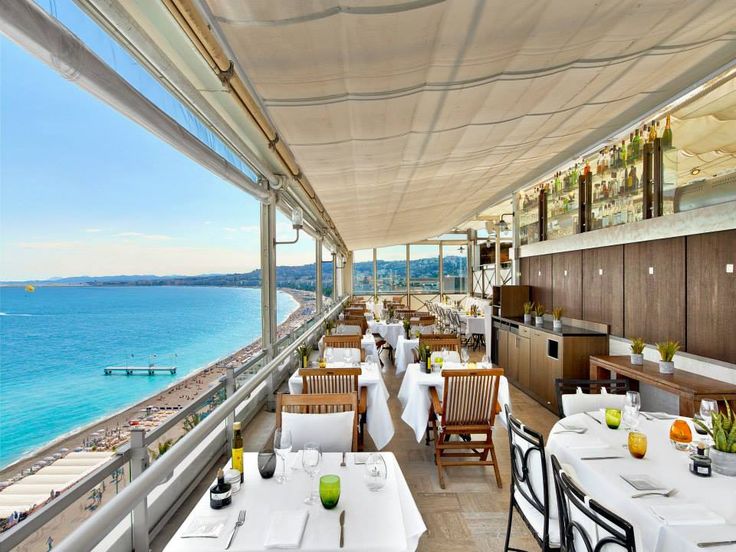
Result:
{"points": [[603, 285], [689, 295], [711, 295]]}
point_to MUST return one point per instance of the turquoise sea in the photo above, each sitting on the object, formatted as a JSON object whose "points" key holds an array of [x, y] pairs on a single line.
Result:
{"points": [[55, 342]]}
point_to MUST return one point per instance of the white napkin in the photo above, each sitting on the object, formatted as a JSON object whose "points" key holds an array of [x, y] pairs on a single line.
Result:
{"points": [[686, 513], [286, 528], [205, 528]]}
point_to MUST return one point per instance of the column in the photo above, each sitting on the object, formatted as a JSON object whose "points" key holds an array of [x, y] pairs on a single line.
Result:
{"points": [[268, 274]]}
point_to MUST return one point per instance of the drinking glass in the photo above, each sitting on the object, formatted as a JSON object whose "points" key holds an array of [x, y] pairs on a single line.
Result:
{"points": [[637, 444], [484, 360], [464, 356], [376, 472], [707, 408], [680, 434], [311, 458], [266, 463], [329, 491], [631, 409], [613, 418], [282, 447]]}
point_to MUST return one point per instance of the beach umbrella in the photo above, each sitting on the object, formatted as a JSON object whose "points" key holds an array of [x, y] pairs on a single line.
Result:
{"points": [[63, 450]]}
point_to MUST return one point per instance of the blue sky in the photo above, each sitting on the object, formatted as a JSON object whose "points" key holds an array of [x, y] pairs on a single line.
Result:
{"points": [[86, 191]]}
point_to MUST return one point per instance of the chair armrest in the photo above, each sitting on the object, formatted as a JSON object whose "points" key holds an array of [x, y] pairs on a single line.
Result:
{"points": [[436, 404]]}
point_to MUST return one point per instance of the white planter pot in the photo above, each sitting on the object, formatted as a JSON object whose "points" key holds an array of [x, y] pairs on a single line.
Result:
{"points": [[666, 367], [557, 324], [527, 319], [723, 462], [539, 320], [637, 359]]}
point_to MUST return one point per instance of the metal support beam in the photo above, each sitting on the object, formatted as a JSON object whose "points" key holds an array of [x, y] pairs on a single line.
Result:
{"points": [[334, 276], [229, 392], [318, 264], [469, 260], [442, 270], [497, 269], [516, 245], [408, 277], [138, 464], [375, 273], [268, 276]]}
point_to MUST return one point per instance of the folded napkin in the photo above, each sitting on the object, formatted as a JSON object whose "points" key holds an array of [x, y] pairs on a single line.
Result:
{"points": [[286, 528], [205, 528], [686, 513]]}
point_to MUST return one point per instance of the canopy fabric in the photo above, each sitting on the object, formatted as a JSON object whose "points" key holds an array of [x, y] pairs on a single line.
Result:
{"points": [[410, 116]]}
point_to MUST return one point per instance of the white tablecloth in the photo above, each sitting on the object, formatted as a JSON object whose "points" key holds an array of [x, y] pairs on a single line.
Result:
{"points": [[378, 418], [403, 355], [367, 342], [414, 397], [601, 479], [389, 332], [388, 520]]}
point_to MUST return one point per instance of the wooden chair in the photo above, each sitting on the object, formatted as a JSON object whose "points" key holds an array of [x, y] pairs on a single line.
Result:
{"points": [[355, 321], [437, 344], [345, 342], [468, 407], [319, 404], [337, 380]]}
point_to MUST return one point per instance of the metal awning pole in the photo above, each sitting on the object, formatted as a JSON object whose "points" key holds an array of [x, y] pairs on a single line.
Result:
{"points": [[268, 276], [318, 264]]}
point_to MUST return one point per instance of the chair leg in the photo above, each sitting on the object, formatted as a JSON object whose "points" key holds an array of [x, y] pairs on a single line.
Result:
{"points": [[508, 525], [495, 467], [438, 459]]}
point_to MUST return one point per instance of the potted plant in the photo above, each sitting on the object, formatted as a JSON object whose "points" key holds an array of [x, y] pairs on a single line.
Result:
{"points": [[329, 325], [539, 314], [667, 350], [528, 309], [637, 349], [723, 451], [557, 318], [302, 352], [425, 356], [407, 326]]}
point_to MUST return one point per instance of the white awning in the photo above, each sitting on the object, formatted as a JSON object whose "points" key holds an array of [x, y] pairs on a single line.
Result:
{"points": [[410, 116]]}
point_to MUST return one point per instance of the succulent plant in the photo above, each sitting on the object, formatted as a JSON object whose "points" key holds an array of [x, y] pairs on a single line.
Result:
{"points": [[539, 309], [637, 345], [557, 313], [667, 350], [528, 307], [406, 323], [724, 429]]}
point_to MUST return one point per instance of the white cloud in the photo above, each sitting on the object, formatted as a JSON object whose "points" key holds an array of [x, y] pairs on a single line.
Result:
{"points": [[251, 228], [93, 230], [153, 237]]}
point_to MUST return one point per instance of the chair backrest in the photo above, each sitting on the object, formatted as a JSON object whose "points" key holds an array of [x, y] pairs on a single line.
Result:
{"points": [[470, 397], [529, 480], [441, 336], [449, 343], [584, 523], [348, 329], [596, 394], [344, 342], [356, 321], [329, 380], [398, 299], [331, 403]]}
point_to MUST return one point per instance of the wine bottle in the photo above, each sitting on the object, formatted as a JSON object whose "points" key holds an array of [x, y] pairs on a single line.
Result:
{"points": [[237, 456], [220, 495], [652, 133], [667, 134]]}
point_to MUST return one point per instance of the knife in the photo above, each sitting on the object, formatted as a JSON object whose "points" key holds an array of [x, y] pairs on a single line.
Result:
{"points": [[600, 457], [342, 528], [715, 543], [589, 415]]}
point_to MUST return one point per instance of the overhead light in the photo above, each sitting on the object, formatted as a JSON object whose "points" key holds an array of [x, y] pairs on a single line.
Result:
{"points": [[503, 226], [461, 249], [695, 171]]}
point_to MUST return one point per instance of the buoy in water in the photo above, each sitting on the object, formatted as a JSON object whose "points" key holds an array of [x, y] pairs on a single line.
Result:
{"points": [[30, 288]]}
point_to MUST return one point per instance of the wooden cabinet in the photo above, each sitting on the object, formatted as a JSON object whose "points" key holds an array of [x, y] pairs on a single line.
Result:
{"points": [[509, 300], [603, 285], [503, 348], [654, 290], [537, 365], [540, 278], [711, 295], [567, 285], [522, 353], [512, 368]]}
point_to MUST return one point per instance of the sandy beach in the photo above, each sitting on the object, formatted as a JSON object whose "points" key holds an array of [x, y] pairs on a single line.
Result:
{"points": [[113, 430]]}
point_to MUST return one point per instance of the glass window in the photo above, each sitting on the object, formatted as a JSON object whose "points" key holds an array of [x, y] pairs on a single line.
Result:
{"points": [[455, 268], [363, 272], [424, 268], [295, 268], [391, 269]]}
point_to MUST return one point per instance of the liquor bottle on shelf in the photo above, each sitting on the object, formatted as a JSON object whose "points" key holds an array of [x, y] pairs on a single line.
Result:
{"points": [[624, 152], [574, 176], [586, 169], [630, 148], [652, 133], [636, 147], [558, 183], [667, 134]]}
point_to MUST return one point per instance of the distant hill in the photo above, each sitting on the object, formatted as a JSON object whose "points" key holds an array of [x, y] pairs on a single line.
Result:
{"points": [[296, 277]]}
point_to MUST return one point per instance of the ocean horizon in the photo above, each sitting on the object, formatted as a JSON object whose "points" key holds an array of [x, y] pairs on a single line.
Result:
{"points": [[57, 340]]}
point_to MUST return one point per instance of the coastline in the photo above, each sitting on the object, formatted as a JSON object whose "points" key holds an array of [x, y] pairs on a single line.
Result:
{"points": [[189, 388]]}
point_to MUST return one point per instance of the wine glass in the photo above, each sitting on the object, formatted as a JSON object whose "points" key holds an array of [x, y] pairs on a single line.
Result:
{"points": [[375, 473], [311, 458], [464, 355], [707, 408], [347, 355], [631, 409], [282, 447]]}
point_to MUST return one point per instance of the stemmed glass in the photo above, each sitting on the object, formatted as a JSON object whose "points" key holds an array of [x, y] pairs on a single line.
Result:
{"points": [[282, 447], [311, 458], [631, 410], [347, 355], [464, 355], [707, 408]]}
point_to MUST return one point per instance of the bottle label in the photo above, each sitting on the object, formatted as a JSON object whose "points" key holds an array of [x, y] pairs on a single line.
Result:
{"points": [[237, 460], [220, 496]]}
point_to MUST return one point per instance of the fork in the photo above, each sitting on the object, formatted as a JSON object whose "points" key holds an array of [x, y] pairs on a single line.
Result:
{"points": [[669, 493], [241, 520]]}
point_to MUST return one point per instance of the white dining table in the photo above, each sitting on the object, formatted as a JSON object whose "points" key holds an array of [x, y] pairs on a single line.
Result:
{"points": [[383, 521], [389, 332], [403, 355], [367, 343], [415, 400], [666, 466], [378, 417], [474, 324]]}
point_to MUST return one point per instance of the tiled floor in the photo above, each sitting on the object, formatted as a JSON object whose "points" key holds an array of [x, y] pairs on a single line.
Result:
{"points": [[470, 514]]}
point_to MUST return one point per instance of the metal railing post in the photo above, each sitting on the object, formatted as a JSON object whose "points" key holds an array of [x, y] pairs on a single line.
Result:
{"points": [[229, 392], [138, 464]]}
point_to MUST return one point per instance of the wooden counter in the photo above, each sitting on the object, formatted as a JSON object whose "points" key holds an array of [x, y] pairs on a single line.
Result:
{"points": [[691, 388]]}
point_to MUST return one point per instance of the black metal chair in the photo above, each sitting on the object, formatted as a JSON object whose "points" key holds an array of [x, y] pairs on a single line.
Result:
{"points": [[576, 510], [528, 462], [570, 386]]}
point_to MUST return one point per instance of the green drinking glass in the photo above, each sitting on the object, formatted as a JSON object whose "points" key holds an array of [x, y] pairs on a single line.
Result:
{"points": [[329, 491], [613, 418]]}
